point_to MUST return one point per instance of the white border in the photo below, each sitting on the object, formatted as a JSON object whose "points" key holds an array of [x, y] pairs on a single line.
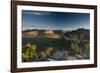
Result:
{"points": [[57, 63]]}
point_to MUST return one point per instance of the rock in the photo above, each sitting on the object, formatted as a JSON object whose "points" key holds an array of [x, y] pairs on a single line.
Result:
{"points": [[86, 54], [60, 55], [78, 56], [50, 59], [71, 58]]}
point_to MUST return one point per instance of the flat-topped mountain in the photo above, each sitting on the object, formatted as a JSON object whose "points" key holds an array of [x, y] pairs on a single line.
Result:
{"points": [[37, 33]]}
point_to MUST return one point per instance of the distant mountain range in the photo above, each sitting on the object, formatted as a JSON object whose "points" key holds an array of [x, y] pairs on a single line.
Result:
{"points": [[80, 33]]}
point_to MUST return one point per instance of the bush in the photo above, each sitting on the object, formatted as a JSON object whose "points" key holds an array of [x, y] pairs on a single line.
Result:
{"points": [[29, 52]]}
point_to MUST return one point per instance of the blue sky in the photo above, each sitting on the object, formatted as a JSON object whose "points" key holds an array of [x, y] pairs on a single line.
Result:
{"points": [[54, 20]]}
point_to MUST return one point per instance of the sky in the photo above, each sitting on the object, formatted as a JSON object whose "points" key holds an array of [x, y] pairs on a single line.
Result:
{"points": [[54, 20]]}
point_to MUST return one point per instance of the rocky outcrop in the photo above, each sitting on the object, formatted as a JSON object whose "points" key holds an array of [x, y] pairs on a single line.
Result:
{"points": [[60, 55]]}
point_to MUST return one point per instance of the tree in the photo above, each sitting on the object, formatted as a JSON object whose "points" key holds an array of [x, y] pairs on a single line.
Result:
{"points": [[29, 52], [75, 48], [46, 53]]}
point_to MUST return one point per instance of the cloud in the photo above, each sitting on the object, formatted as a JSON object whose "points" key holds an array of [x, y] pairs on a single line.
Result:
{"points": [[31, 26], [36, 12]]}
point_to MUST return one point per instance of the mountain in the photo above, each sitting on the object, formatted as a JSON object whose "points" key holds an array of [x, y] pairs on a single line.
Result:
{"points": [[37, 33], [79, 34]]}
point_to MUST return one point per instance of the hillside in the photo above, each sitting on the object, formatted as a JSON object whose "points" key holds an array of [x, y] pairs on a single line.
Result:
{"points": [[79, 33], [50, 45]]}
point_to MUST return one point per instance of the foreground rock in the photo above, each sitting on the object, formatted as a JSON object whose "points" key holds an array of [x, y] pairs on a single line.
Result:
{"points": [[61, 55], [64, 55]]}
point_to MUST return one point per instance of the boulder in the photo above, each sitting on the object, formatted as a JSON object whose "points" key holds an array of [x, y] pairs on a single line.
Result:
{"points": [[61, 55]]}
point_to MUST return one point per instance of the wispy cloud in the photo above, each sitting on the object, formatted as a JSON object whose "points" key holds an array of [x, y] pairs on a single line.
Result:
{"points": [[35, 12], [31, 26]]}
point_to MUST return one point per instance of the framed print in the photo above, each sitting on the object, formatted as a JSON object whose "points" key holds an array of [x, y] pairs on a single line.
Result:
{"points": [[52, 36]]}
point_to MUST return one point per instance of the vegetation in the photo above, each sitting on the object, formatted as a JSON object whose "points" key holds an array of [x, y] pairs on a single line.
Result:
{"points": [[53, 35], [29, 52], [75, 48]]}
